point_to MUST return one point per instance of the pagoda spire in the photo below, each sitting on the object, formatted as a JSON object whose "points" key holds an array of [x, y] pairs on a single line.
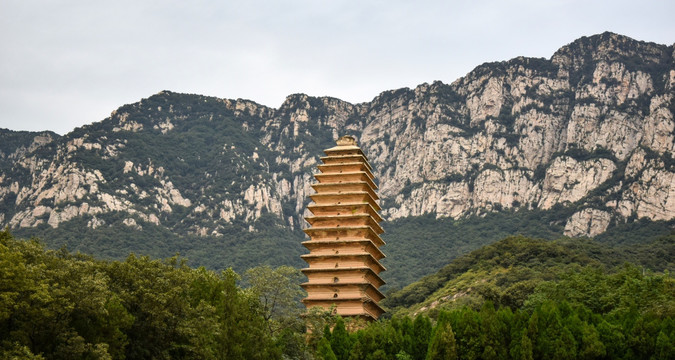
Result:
{"points": [[344, 247]]}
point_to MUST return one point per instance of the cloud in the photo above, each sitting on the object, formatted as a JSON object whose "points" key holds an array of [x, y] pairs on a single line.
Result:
{"points": [[66, 63]]}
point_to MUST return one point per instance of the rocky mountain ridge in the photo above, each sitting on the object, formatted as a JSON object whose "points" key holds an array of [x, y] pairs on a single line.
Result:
{"points": [[591, 129]]}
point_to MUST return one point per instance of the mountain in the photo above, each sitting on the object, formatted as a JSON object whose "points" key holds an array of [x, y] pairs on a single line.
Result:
{"points": [[581, 144]]}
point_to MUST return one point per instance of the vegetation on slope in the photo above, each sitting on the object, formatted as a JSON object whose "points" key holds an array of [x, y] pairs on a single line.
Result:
{"points": [[54, 305], [16, 141], [269, 245], [507, 272], [422, 245], [416, 246], [552, 329]]}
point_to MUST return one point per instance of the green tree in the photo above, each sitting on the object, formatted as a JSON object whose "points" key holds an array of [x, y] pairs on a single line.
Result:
{"points": [[492, 334], [279, 293], [402, 355], [613, 339], [407, 330], [324, 350], [591, 346], [525, 352], [664, 347], [340, 341], [442, 345], [421, 335], [56, 304], [468, 334]]}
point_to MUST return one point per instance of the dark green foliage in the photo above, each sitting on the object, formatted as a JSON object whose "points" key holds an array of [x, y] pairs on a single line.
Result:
{"points": [[442, 345], [668, 159], [413, 243], [55, 305], [324, 351], [507, 119], [516, 265], [553, 329], [421, 335], [13, 141], [271, 245], [63, 306], [340, 342], [543, 67], [580, 154]]}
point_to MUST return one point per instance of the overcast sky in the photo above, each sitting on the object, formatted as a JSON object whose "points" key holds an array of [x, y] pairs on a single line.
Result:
{"points": [[66, 63]]}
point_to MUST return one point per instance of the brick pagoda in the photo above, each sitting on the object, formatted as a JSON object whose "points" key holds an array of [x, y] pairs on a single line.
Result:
{"points": [[344, 245]]}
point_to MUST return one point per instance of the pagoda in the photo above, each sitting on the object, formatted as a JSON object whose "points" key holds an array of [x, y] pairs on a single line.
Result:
{"points": [[344, 247]]}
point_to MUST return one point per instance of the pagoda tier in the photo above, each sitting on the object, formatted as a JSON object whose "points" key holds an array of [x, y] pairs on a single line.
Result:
{"points": [[346, 290], [337, 221], [344, 208], [350, 259], [344, 247], [330, 247], [342, 159], [337, 233], [345, 177], [345, 274], [345, 187], [360, 197]]}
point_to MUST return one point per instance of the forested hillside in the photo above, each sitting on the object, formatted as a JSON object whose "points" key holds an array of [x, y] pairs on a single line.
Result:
{"points": [[56, 305], [510, 270]]}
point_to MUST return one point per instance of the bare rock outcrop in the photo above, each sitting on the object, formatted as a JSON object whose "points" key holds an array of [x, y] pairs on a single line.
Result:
{"points": [[592, 127]]}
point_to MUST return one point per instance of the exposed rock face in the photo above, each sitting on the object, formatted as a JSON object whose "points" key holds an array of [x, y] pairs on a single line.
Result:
{"points": [[593, 128], [568, 180], [587, 222]]}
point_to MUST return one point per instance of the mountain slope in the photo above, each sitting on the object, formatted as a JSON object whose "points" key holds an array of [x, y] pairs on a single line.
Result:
{"points": [[508, 271], [586, 137]]}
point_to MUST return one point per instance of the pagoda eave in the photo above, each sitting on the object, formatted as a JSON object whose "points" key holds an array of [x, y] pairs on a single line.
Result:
{"points": [[344, 231], [324, 221], [368, 256], [346, 176], [340, 159], [362, 285], [347, 208], [320, 244]]}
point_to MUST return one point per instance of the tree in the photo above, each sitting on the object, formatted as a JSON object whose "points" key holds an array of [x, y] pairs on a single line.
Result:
{"points": [[491, 333], [421, 334], [340, 341], [279, 293], [324, 350], [525, 348], [442, 345], [468, 343], [591, 347], [664, 347]]}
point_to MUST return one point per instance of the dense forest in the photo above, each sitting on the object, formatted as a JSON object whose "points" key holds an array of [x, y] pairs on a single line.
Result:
{"points": [[507, 271], [58, 305]]}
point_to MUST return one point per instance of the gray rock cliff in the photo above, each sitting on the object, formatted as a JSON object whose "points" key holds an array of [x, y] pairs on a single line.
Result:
{"points": [[591, 128]]}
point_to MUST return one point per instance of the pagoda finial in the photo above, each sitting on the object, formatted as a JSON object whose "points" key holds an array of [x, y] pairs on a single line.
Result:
{"points": [[346, 140]]}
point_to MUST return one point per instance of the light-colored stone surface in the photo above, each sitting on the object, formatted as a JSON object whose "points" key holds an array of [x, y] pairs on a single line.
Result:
{"points": [[587, 222], [568, 180]]}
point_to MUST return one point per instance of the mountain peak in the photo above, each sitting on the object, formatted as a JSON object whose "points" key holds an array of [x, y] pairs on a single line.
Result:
{"points": [[610, 47]]}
